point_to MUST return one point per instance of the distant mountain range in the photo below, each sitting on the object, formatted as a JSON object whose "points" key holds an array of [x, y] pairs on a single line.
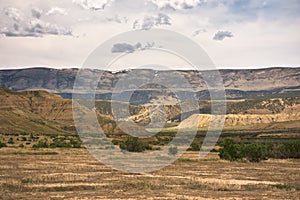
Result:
{"points": [[238, 83]]}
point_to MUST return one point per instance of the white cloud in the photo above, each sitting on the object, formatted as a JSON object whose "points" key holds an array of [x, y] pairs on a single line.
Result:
{"points": [[57, 11], [150, 21], [24, 26], [93, 4], [176, 4], [221, 35], [13, 13]]}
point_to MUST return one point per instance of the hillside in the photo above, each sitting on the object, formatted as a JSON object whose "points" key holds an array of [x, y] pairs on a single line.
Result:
{"points": [[40, 112], [34, 112], [43, 112], [276, 113]]}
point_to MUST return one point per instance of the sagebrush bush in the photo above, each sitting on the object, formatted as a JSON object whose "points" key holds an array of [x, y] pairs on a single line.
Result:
{"points": [[2, 144], [233, 151], [288, 149], [230, 150], [133, 144], [254, 152], [173, 150]]}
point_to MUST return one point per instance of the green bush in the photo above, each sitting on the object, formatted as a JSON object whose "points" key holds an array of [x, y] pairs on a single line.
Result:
{"points": [[195, 146], [173, 150], [233, 151], [255, 152], [230, 150], [41, 144], [75, 143], [133, 144], [10, 141], [2, 144], [289, 149]]}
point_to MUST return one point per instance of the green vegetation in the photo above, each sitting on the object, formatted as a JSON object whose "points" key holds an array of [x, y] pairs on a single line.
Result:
{"points": [[2, 144], [133, 144], [254, 152], [10, 141], [288, 149], [41, 144], [195, 146], [58, 142], [173, 150], [230, 150]]}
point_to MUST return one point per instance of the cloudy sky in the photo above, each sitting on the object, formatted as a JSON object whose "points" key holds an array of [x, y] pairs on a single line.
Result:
{"points": [[234, 33]]}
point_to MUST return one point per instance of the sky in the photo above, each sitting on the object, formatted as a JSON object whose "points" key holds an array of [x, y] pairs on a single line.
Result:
{"points": [[235, 34]]}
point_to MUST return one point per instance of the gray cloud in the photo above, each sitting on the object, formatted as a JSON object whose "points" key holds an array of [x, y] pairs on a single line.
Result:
{"points": [[150, 21], [117, 19], [129, 48], [57, 11], [93, 4], [25, 26], [36, 12], [197, 32], [221, 35], [176, 4]]}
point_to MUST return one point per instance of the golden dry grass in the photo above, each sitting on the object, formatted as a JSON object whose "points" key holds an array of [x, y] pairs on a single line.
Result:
{"points": [[75, 174]]}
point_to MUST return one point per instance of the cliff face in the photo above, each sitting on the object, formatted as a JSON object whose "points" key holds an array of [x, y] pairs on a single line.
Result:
{"points": [[238, 83], [290, 115]]}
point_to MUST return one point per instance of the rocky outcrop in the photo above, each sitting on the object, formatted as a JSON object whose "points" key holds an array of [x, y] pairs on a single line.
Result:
{"points": [[238, 120]]}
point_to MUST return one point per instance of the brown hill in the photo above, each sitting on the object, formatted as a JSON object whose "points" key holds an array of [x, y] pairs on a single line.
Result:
{"points": [[42, 112], [34, 112]]}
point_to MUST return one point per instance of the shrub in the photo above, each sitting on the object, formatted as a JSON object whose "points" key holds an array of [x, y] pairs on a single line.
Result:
{"points": [[60, 144], [292, 149], [289, 149], [10, 141], [41, 144], [133, 144], [230, 150], [195, 146], [233, 151], [2, 144], [75, 143], [255, 152], [173, 150]]}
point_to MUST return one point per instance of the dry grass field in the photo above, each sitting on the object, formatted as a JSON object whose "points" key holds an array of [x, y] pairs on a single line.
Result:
{"points": [[74, 174]]}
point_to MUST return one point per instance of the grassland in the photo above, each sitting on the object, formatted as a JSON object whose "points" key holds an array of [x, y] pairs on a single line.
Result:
{"points": [[75, 174]]}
